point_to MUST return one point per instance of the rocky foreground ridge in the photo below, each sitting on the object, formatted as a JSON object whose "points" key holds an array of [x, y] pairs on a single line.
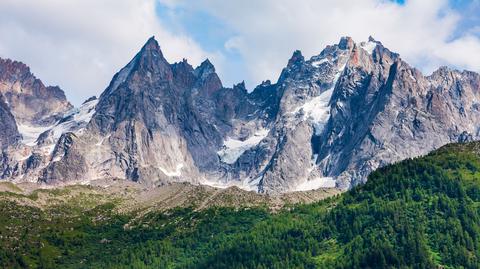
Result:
{"points": [[327, 122]]}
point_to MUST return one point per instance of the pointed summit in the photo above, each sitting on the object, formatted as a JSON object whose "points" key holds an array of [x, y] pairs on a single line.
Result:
{"points": [[148, 59], [152, 39], [297, 57], [240, 85], [208, 78], [152, 47], [151, 43], [373, 40], [207, 65], [346, 43], [205, 69]]}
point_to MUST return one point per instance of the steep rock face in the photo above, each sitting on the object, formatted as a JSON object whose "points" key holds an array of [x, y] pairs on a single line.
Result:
{"points": [[8, 128], [327, 122], [361, 93], [384, 111], [31, 102], [298, 108], [158, 122], [73, 165], [137, 118], [27, 108], [352, 109]]}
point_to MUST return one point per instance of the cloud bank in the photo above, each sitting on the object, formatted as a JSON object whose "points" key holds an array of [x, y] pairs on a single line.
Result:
{"points": [[80, 44], [425, 32]]}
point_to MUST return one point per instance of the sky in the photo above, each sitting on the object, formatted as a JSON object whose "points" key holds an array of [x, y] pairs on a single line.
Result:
{"points": [[80, 44]]}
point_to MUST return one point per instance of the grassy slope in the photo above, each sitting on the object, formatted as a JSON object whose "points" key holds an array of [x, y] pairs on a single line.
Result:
{"points": [[420, 213]]}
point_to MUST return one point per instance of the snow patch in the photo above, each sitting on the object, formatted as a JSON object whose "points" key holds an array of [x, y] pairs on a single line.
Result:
{"points": [[247, 184], [317, 109], [317, 63], [368, 46], [56, 159], [233, 148], [176, 173], [30, 133], [316, 183], [80, 118]]}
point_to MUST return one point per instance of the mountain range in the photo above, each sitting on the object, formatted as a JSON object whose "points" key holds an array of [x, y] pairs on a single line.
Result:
{"points": [[328, 121]]}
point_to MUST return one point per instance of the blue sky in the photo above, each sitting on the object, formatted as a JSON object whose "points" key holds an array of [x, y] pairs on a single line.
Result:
{"points": [[470, 18], [80, 44], [212, 33]]}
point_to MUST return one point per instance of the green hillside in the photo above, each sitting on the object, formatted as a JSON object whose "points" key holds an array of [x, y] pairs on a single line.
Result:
{"points": [[421, 213]]}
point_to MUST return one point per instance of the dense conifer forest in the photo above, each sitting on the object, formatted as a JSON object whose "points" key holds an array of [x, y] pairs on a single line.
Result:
{"points": [[419, 213]]}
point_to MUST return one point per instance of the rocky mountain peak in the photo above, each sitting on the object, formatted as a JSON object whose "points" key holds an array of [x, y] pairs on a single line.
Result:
{"points": [[446, 77], [443, 71], [184, 74], [297, 58], [152, 46], [150, 59], [205, 68], [265, 83], [208, 79], [346, 43], [147, 63], [13, 70], [183, 65], [30, 101], [327, 121], [240, 86]]}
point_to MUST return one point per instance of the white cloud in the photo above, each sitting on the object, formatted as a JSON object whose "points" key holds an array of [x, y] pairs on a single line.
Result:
{"points": [[80, 44], [268, 31]]}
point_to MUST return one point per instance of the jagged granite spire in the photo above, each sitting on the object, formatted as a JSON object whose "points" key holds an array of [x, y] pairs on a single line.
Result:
{"points": [[204, 69], [31, 102], [297, 58], [151, 45], [155, 121], [209, 81], [328, 121], [346, 43], [148, 60]]}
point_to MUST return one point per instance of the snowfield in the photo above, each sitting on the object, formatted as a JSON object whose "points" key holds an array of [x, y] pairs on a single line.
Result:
{"points": [[234, 148], [320, 182], [78, 119]]}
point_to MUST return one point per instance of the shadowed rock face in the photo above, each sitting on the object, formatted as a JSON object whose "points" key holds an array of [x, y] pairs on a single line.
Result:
{"points": [[384, 111], [8, 128], [27, 106], [160, 122], [328, 121]]}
